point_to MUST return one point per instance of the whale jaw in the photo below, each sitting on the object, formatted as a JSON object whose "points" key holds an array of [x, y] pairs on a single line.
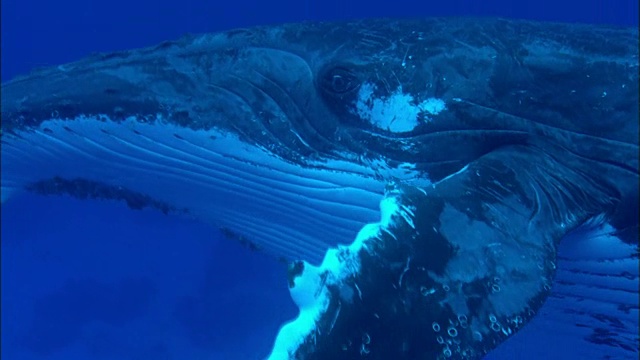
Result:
{"points": [[291, 210]]}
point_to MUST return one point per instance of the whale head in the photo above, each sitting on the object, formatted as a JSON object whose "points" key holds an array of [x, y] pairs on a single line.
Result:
{"points": [[281, 136]]}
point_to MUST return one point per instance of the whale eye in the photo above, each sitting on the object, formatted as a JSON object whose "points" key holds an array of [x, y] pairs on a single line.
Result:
{"points": [[340, 80]]}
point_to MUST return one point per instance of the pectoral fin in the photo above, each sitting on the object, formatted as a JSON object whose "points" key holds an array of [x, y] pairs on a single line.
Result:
{"points": [[452, 270]]}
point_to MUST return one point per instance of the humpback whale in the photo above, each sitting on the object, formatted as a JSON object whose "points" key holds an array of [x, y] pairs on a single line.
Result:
{"points": [[417, 175]]}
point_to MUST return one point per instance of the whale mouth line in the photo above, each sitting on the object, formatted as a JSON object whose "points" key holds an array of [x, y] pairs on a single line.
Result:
{"points": [[270, 109]]}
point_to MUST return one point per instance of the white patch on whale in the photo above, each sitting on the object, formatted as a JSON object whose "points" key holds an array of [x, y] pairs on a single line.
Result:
{"points": [[397, 113], [310, 291]]}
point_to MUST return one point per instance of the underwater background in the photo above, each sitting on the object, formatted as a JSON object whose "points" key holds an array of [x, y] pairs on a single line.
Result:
{"points": [[96, 280]]}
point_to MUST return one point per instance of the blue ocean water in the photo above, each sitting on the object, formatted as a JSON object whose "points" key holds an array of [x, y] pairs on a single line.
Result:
{"points": [[96, 280]]}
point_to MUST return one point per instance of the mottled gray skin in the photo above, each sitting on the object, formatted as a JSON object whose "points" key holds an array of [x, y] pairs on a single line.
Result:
{"points": [[519, 82], [545, 115]]}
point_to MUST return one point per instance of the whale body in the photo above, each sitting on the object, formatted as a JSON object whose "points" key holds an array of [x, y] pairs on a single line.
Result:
{"points": [[418, 175]]}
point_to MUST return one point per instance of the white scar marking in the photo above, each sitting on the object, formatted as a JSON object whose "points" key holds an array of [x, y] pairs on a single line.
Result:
{"points": [[398, 112]]}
